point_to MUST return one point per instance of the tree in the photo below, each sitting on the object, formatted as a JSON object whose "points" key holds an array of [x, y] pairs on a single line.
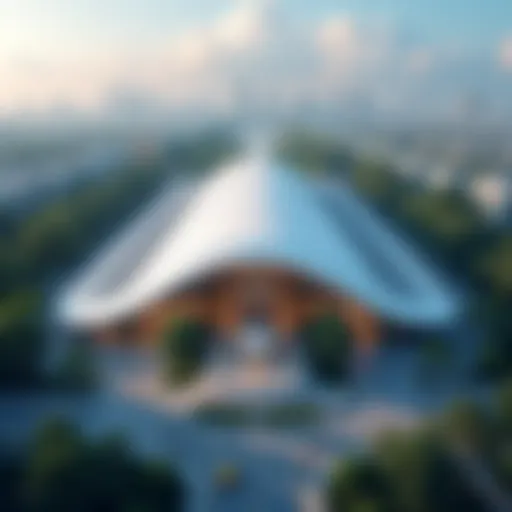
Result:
{"points": [[184, 349], [327, 349], [405, 472], [358, 485], [467, 425], [77, 371], [495, 360], [11, 472], [315, 153], [496, 266], [65, 471], [21, 343], [51, 473], [435, 360], [504, 408], [8, 225], [376, 181], [422, 475]]}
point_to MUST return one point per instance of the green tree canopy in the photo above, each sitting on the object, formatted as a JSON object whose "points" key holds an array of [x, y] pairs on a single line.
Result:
{"points": [[504, 408], [406, 472], [21, 340], [64, 471], [327, 348], [184, 348], [358, 485], [468, 425]]}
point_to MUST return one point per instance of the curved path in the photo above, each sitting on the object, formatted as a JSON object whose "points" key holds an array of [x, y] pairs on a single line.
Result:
{"points": [[283, 470]]}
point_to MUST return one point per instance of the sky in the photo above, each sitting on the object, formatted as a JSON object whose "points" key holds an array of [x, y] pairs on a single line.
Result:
{"points": [[401, 58]]}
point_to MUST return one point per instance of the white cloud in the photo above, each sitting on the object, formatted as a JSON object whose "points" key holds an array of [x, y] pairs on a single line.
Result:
{"points": [[251, 56], [337, 34], [245, 28]]}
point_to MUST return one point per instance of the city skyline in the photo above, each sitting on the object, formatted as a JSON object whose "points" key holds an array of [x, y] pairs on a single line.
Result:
{"points": [[152, 60]]}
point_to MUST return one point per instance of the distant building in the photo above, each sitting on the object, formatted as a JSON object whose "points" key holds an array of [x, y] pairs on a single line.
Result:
{"points": [[255, 241], [492, 192]]}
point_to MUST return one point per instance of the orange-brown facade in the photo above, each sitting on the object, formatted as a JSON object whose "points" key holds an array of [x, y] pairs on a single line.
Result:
{"points": [[228, 300]]}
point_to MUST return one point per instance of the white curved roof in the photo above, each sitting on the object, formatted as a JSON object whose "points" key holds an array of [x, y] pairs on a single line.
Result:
{"points": [[256, 211]]}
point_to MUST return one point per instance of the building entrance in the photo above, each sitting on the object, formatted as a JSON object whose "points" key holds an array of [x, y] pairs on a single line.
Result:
{"points": [[257, 332], [257, 340]]}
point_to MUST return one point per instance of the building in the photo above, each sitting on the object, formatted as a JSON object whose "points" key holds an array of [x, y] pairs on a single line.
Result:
{"points": [[492, 193], [256, 240]]}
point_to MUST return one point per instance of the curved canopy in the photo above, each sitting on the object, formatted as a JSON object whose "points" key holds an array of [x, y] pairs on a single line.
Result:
{"points": [[256, 211]]}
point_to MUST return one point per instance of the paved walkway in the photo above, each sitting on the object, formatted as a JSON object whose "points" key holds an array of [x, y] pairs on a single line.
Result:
{"points": [[283, 470]]}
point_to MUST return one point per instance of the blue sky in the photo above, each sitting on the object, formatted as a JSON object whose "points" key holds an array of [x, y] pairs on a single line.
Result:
{"points": [[470, 22], [478, 22], [59, 43]]}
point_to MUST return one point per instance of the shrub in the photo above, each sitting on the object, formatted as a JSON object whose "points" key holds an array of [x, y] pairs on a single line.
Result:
{"points": [[272, 416], [64, 471], [225, 415], [227, 476], [327, 349], [21, 343], [292, 415], [435, 359], [422, 475], [504, 408], [468, 425], [11, 471], [184, 350], [357, 485], [412, 472], [495, 361], [77, 372]]}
